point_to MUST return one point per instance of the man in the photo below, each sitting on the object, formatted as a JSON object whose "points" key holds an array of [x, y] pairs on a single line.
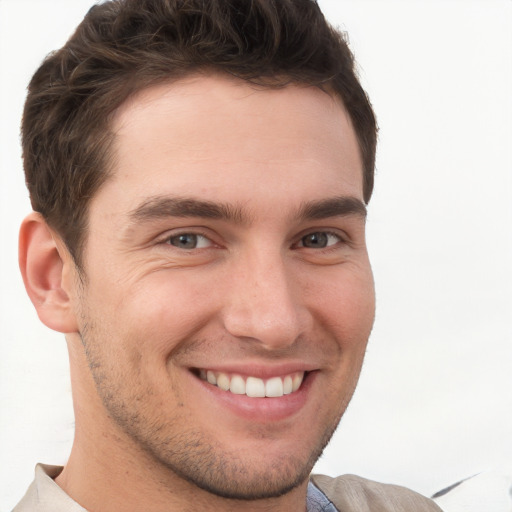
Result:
{"points": [[199, 173]]}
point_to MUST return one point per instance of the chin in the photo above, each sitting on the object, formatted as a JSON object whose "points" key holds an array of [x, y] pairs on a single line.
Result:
{"points": [[242, 481], [242, 474]]}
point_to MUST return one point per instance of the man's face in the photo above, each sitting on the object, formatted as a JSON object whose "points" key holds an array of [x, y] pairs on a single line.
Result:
{"points": [[228, 251]]}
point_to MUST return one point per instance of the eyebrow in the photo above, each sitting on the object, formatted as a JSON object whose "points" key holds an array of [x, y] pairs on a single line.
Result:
{"points": [[333, 207], [164, 206]]}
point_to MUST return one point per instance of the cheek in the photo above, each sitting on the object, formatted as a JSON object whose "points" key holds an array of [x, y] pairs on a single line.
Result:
{"points": [[163, 310], [346, 302]]}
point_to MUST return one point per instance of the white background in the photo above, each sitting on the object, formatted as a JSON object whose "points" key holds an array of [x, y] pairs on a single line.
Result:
{"points": [[435, 399]]}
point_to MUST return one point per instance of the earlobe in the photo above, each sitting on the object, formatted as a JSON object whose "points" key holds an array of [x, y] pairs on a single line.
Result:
{"points": [[45, 266]]}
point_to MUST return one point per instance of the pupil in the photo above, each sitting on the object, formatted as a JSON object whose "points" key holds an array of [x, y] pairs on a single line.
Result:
{"points": [[315, 240], [185, 241]]}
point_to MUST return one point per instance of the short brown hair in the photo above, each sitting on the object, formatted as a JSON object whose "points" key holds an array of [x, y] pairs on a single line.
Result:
{"points": [[123, 46]]}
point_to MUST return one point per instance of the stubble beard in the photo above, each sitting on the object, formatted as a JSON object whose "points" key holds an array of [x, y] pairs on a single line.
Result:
{"points": [[191, 455]]}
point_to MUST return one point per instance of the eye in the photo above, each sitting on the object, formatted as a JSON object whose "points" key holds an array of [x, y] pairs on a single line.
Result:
{"points": [[189, 241], [319, 240]]}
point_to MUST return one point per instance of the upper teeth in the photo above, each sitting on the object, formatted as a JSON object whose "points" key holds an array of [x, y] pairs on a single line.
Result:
{"points": [[254, 386]]}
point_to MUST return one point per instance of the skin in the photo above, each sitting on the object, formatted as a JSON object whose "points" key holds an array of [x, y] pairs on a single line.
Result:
{"points": [[265, 174]]}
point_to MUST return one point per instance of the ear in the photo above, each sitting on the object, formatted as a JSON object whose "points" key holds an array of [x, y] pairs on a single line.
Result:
{"points": [[47, 269]]}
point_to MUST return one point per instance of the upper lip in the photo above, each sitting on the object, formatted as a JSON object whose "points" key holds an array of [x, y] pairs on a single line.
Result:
{"points": [[260, 370]]}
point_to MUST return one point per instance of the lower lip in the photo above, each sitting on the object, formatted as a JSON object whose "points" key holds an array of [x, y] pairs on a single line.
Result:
{"points": [[261, 410]]}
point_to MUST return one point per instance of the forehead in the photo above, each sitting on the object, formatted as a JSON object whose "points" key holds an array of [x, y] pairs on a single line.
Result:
{"points": [[219, 136]]}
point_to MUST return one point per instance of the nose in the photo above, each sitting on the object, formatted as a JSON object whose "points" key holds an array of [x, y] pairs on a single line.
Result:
{"points": [[265, 303]]}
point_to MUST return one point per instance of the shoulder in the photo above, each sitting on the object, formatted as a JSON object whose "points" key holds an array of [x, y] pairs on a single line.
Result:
{"points": [[353, 493], [44, 495]]}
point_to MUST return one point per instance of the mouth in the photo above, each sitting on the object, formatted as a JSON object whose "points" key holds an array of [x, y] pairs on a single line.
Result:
{"points": [[253, 387]]}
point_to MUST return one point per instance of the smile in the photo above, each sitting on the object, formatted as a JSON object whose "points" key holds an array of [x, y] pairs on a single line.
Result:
{"points": [[254, 387]]}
